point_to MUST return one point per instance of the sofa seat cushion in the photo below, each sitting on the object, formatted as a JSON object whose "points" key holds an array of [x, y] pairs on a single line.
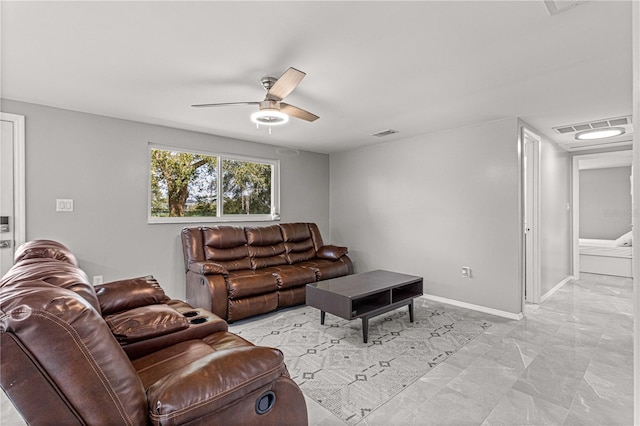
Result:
{"points": [[145, 322], [247, 283], [326, 269], [292, 276], [157, 365]]}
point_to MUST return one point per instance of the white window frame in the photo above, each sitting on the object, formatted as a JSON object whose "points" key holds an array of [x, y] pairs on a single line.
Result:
{"points": [[221, 217]]}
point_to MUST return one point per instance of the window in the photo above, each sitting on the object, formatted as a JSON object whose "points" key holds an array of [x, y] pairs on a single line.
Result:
{"points": [[185, 186]]}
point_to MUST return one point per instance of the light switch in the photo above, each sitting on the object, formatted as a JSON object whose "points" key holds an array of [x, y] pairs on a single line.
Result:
{"points": [[64, 205]]}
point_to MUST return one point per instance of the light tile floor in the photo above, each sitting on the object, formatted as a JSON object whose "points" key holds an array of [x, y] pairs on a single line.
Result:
{"points": [[568, 362]]}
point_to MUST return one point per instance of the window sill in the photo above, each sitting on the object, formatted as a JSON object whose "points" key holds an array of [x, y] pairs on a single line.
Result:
{"points": [[223, 219]]}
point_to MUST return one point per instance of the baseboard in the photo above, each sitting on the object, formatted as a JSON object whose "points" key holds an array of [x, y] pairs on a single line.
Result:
{"points": [[555, 288], [473, 307]]}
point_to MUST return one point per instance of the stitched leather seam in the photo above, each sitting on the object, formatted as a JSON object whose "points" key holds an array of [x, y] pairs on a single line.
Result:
{"points": [[164, 361], [89, 357]]}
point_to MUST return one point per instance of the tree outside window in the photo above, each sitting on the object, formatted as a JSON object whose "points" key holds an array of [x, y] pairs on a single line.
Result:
{"points": [[247, 187], [187, 184]]}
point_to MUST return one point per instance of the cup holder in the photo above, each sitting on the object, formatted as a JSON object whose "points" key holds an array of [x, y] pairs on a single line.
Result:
{"points": [[190, 314], [198, 320]]}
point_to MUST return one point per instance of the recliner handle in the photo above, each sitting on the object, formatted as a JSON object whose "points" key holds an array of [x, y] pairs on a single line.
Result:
{"points": [[265, 403]]}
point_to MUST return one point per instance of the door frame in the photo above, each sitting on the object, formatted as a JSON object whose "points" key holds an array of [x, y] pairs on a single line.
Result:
{"points": [[19, 188], [531, 258]]}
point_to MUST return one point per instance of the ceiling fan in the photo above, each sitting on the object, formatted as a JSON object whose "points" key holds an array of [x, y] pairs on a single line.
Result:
{"points": [[272, 111]]}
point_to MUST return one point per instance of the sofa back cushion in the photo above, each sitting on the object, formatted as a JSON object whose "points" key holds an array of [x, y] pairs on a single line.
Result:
{"points": [[55, 272], [266, 246], [45, 249], [71, 345], [298, 242], [226, 245]]}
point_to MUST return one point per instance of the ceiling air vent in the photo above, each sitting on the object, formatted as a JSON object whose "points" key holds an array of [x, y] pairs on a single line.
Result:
{"points": [[384, 133], [620, 121], [599, 124]]}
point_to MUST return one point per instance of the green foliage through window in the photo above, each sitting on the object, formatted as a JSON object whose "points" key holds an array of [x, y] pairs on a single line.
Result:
{"points": [[247, 187], [187, 184]]}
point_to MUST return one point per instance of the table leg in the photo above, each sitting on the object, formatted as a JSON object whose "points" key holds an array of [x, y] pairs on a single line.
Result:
{"points": [[322, 317], [365, 329], [411, 311]]}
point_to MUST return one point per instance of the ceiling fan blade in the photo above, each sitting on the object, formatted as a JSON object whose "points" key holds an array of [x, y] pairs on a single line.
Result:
{"points": [[285, 84], [225, 104], [296, 112]]}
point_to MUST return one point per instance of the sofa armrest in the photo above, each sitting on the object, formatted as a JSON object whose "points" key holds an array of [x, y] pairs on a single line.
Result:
{"points": [[145, 322], [208, 268], [118, 296], [213, 382], [332, 252]]}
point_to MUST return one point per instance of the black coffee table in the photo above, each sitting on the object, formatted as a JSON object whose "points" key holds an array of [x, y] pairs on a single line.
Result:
{"points": [[364, 295]]}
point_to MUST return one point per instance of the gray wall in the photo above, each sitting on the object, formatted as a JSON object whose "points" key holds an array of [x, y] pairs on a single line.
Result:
{"points": [[429, 205], [101, 163], [605, 202], [555, 217]]}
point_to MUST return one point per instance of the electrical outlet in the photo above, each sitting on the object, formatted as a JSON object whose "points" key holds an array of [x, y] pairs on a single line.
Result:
{"points": [[466, 272], [97, 279]]}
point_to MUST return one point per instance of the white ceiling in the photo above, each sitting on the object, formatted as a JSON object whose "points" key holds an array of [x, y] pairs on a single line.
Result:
{"points": [[418, 67]]}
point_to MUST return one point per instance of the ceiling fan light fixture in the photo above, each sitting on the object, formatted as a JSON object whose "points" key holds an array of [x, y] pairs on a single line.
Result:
{"points": [[603, 133], [271, 117]]}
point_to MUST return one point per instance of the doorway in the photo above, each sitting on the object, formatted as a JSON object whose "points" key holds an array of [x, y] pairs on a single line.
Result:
{"points": [[12, 187], [604, 160]]}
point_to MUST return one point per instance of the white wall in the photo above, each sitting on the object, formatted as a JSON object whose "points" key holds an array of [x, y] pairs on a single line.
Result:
{"points": [[101, 163], [605, 202], [555, 217], [432, 204]]}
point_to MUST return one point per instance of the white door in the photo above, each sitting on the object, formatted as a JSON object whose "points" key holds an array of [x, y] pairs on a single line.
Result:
{"points": [[531, 170], [12, 215]]}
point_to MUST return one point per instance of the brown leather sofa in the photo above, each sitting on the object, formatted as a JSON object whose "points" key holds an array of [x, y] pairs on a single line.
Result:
{"points": [[240, 272], [125, 353]]}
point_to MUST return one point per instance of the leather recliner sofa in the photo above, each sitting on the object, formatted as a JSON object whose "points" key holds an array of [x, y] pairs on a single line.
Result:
{"points": [[239, 272], [125, 353]]}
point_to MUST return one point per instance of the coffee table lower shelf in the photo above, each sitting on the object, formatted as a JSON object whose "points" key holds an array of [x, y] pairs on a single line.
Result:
{"points": [[364, 295], [374, 313]]}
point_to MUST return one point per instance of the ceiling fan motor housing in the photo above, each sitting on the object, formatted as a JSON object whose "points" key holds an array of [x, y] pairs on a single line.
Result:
{"points": [[269, 113], [268, 82]]}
